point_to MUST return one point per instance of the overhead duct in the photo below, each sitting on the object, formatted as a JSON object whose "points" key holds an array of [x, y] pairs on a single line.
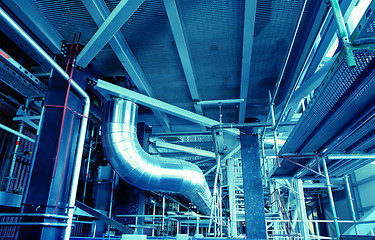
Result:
{"points": [[145, 171]]}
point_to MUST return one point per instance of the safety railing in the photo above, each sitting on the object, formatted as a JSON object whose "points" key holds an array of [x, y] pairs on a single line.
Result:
{"points": [[275, 234]]}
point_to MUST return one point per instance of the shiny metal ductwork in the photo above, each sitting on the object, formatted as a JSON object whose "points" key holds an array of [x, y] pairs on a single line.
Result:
{"points": [[145, 171]]}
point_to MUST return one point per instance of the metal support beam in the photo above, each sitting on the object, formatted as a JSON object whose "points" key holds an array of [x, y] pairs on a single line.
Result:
{"points": [[104, 218], [190, 150], [175, 20], [247, 51], [227, 156], [99, 12], [109, 90], [330, 196], [111, 25]]}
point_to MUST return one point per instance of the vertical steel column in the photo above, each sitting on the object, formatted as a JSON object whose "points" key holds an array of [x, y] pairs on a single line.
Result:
{"points": [[330, 196], [304, 228], [232, 198], [343, 33], [252, 183], [350, 202], [274, 130]]}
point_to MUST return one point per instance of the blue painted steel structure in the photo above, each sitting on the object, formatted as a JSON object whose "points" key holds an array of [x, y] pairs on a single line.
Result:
{"points": [[253, 189], [51, 174]]}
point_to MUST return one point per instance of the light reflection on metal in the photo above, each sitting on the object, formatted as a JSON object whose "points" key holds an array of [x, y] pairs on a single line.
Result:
{"points": [[149, 172]]}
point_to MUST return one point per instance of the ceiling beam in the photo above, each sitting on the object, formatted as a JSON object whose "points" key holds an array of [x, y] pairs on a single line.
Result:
{"points": [[28, 13], [175, 20], [247, 49], [109, 90], [110, 26], [100, 12]]}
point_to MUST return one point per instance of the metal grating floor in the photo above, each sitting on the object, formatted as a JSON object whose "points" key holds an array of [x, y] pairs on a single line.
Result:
{"points": [[344, 93], [341, 111]]}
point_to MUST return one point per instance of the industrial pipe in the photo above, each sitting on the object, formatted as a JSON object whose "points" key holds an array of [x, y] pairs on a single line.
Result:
{"points": [[145, 171], [85, 115], [344, 36], [8, 129]]}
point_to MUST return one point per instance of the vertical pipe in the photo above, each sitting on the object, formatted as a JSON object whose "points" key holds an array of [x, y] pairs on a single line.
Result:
{"points": [[197, 229], [343, 33], [317, 230], [163, 214], [232, 198], [111, 199], [332, 202], [14, 157], [274, 130], [351, 203], [153, 218], [88, 165], [221, 213], [302, 208]]}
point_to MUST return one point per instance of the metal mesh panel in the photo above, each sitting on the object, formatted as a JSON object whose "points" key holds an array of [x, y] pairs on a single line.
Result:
{"points": [[353, 106], [335, 85], [364, 33], [68, 17], [368, 127]]}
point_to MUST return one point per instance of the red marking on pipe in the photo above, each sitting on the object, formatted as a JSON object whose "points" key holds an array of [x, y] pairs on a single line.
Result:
{"points": [[87, 174], [61, 128], [4, 55], [17, 143]]}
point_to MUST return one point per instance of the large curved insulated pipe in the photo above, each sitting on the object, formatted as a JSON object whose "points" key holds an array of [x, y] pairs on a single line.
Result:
{"points": [[145, 171]]}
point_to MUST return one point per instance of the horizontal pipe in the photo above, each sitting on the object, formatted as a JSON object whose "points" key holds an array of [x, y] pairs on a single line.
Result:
{"points": [[252, 124], [8, 129], [350, 156], [223, 101], [145, 171], [46, 215], [33, 224]]}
